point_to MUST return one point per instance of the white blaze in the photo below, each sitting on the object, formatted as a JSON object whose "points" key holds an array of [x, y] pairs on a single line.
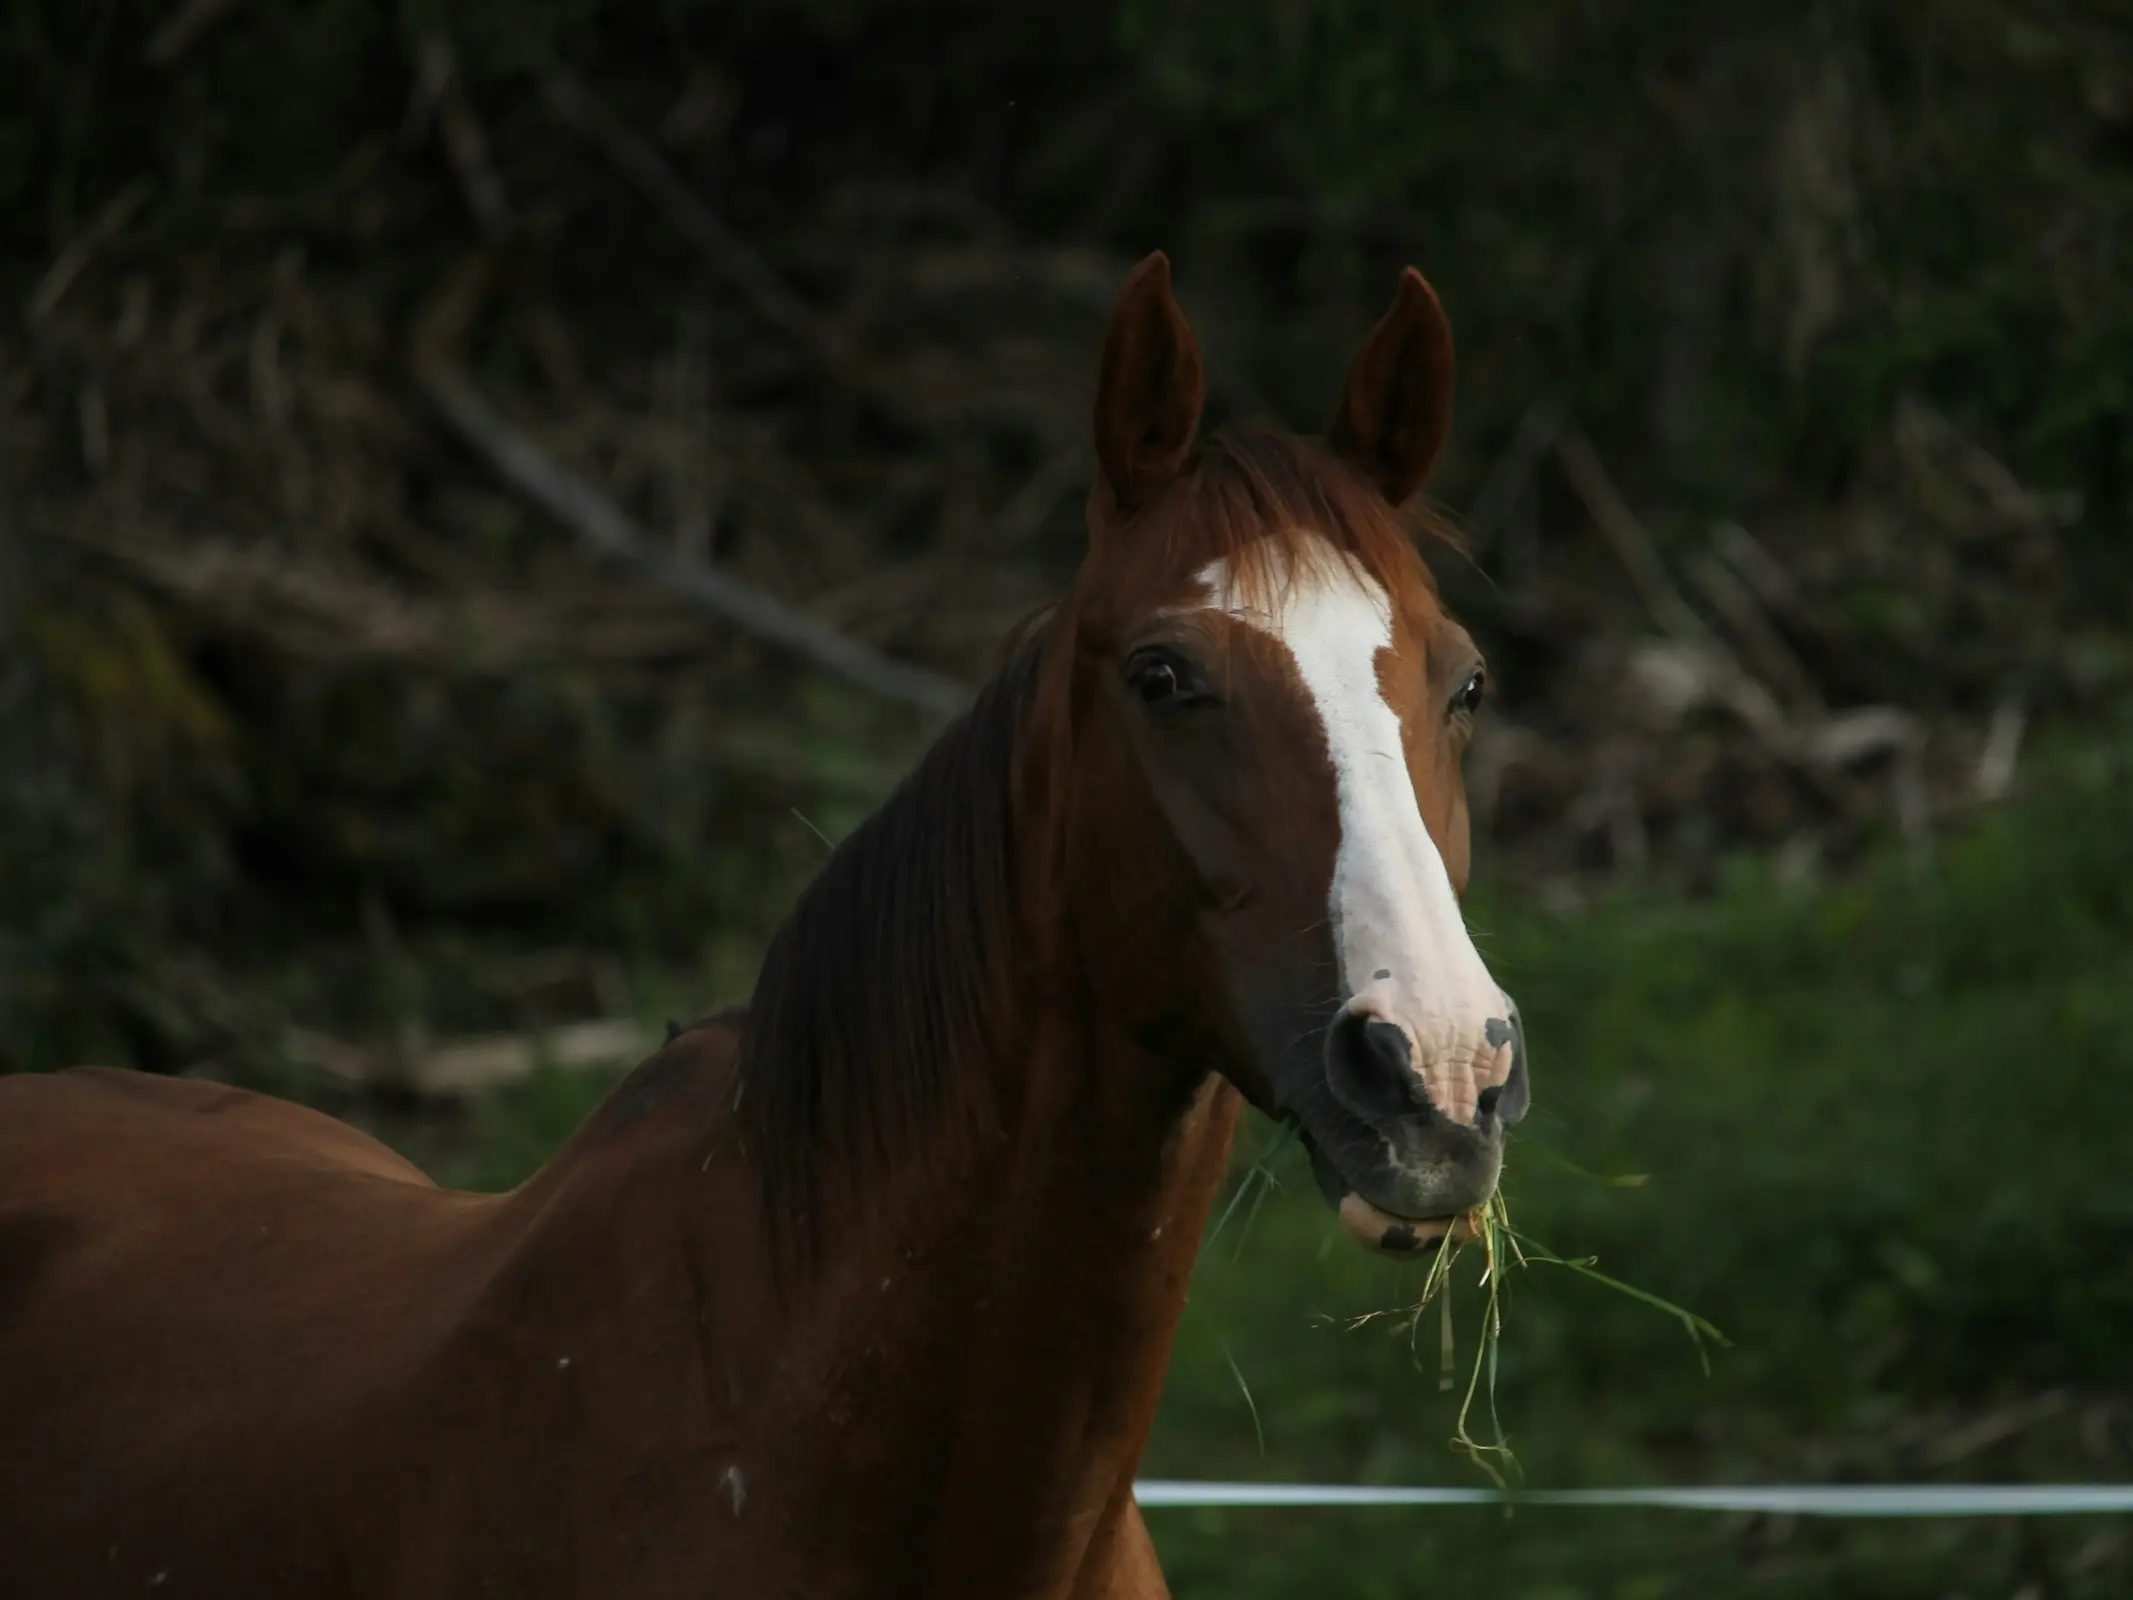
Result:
{"points": [[1404, 950]]}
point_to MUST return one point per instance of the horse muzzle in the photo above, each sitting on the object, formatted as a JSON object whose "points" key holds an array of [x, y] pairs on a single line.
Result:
{"points": [[1407, 1155]]}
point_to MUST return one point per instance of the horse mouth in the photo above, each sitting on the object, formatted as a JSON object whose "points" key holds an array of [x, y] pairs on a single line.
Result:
{"points": [[1389, 1233], [1375, 1227]]}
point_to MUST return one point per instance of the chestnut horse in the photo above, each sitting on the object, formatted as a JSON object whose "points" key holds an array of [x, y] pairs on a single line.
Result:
{"points": [[866, 1288]]}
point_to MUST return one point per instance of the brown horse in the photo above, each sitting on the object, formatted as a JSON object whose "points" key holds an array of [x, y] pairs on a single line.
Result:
{"points": [[867, 1289]]}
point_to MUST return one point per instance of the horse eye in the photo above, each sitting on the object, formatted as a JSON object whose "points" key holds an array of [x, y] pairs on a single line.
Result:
{"points": [[1155, 682], [1468, 700], [1161, 679]]}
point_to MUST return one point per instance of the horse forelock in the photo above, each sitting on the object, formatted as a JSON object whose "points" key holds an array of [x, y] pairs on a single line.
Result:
{"points": [[1270, 506]]}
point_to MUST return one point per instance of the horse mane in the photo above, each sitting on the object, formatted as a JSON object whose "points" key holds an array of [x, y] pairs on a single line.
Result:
{"points": [[894, 971]]}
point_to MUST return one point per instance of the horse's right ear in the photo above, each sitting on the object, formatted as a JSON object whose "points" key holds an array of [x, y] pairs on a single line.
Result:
{"points": [[1397, 407], [1150, 388]]}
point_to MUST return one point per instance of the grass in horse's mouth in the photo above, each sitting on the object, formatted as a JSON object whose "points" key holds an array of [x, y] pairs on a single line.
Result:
{"points": [[1502, 1247], [1489, 1226]]}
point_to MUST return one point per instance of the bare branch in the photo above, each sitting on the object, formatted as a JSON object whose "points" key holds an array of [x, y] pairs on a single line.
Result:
{"points": [[176, 36], [1510, 477], [465, 145], [731, 256], [1619, 525], [597, 520], [1775, 660], [1762, 571], [81, 249]]}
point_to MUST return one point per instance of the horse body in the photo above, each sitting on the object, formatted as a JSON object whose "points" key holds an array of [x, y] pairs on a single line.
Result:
{"points": [[867, 1290], [395, 1389]]}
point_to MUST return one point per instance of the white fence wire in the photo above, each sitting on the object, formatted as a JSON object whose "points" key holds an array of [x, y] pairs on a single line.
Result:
{"points": [[1784, 1499]]}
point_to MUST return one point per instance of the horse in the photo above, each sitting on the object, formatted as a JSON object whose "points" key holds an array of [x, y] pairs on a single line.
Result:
{"points": [[867, 1287]]}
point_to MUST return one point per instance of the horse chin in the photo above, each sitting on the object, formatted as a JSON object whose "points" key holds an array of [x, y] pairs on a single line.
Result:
{"points": [[1377, 1228]]}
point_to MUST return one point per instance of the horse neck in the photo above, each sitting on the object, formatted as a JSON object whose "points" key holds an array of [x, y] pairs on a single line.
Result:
{"points": [[973, 1341], [977, 1364], [1071, 1292]]}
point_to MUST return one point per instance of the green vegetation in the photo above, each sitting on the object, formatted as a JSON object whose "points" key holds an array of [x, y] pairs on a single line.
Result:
{"points": [[1875, 1133]]}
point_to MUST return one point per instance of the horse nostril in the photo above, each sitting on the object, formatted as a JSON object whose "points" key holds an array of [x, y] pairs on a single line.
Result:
{"points": [[1370, 1070], [1515, 1092], [1498, 1031], [1388, 1046]]}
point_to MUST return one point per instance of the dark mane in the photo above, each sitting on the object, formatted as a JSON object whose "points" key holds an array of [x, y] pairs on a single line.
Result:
{"points": [[891, 971]]}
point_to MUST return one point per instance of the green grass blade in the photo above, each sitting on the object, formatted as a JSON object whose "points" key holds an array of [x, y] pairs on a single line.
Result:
{"points": [[1244, 1389]]}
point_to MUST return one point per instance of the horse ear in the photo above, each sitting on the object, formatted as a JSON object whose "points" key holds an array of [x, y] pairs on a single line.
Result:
{"points": [[1149, 389], [1398, 404]]}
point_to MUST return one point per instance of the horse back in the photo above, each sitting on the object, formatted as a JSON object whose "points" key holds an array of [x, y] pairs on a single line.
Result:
{"points": [[82, 1099], [93, 1158], [204, 1293]]}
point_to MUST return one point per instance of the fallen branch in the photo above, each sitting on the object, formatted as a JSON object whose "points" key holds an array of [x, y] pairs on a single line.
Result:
{"points": [[1848, 738], [1761, 571], [602, 524], [1775, 660], [471, 1066], [325, 611], [2003, 745]]}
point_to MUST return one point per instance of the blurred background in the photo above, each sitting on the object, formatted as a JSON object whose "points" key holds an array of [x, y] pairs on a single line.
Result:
{"points": [[418, 434]]}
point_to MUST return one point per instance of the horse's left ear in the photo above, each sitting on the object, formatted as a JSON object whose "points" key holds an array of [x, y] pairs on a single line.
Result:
{"points": [[1149, 390], [1398, 404]]}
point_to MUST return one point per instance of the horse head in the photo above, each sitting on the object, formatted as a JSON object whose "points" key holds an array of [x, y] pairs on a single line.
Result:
{"points": [[1268, 835]]}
